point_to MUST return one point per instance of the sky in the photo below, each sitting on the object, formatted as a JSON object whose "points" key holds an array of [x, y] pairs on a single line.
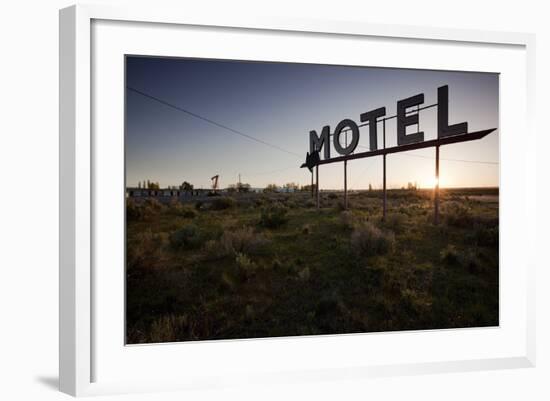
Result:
{"points": [[279, 104]]}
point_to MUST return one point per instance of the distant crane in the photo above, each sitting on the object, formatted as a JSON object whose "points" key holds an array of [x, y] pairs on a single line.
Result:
{"points": [[215, 182]]}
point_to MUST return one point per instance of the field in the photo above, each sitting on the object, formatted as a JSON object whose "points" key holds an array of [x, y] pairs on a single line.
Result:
{"points": [[264, 265]]}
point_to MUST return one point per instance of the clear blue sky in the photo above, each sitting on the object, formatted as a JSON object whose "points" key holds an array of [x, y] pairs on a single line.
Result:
{"points": [[280, 103]]}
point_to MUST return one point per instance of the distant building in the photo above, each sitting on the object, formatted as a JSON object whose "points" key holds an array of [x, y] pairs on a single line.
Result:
{"points": [[164, 193]]}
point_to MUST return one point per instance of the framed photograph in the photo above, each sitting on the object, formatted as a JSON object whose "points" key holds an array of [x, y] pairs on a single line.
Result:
{"points": [[265, 201]]}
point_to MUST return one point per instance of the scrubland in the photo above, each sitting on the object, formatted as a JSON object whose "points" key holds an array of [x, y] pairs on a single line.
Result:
{"points": [[264, 265]]}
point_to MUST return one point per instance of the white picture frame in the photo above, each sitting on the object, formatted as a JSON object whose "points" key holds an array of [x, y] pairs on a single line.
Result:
{"points": [[81, 345]]}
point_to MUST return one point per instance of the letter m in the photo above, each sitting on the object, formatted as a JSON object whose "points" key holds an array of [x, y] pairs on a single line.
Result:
{"points": [[317, 142]]}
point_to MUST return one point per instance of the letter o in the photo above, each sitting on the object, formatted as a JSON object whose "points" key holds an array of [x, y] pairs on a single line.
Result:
{"points": [[354, 136]]}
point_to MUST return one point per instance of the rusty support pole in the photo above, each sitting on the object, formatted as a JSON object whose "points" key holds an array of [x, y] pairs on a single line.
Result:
{"points": [[317, 187], [312, 186], [436, 188], [384, 208], [345, 184]]}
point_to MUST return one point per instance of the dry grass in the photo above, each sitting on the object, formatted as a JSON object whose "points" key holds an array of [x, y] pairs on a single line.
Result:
{"points": [[319, 272]]}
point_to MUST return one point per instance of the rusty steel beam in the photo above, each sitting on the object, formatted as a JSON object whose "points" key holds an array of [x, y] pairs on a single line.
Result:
{"points": [[345, 184], [436, 188], [317, 187]]}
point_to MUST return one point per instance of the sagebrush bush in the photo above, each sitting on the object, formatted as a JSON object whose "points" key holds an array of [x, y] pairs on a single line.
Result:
{"points": [[310, 203], [304, 274], [482, 235], [145, 250], [456, 214], [243, 240], [466, 258], [212, 250], [368, 240], [449, 255], [187, 211], [154, 205], [470, 261], [347, 219], [133, 210], [395, 221], [341, 206], [142, 211], [168, 328], [187, 237], [222, 203], [274, 216], [244, 262], [291, 204]]}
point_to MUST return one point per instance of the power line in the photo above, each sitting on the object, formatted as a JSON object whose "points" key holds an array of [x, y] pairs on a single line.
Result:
{"points": [[234, 131], [441, 158], [454, 160], [173, 106], [272, 171]]}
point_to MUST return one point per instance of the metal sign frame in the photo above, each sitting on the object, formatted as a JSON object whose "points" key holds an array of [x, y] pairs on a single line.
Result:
{"points": [[447, 134]]}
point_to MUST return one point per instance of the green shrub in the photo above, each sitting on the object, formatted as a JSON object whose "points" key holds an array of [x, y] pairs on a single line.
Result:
{"points": [[187, 237], [368, 240], [273, 216], [153, 204], [144, 251], [134, 212], [244, 262], [395, 221], [466, 258], [222, 203], [332, 195], [484, 236], [142, 211], [168, 328], [450, 255], [471, 261], [340, 206], [348, 219], [310, 203], [276, 264], [243, 240], [304, 274], [189, 213], [245, 204], [456, 214], [212, 250], [291, 204], [186, 211]]}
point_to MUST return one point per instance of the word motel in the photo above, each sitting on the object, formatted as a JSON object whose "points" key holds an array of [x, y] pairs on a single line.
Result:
{"points": [[407, 115]]}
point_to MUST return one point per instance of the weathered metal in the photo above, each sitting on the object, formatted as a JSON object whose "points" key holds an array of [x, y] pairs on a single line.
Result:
{"points": [[317, 187], [354, 136], [412, 146], [345, 184], [436, 187], [446, 135]]}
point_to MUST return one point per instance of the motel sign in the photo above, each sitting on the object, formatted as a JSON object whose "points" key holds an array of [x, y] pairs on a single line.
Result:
{"points": [[407, 114]]}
